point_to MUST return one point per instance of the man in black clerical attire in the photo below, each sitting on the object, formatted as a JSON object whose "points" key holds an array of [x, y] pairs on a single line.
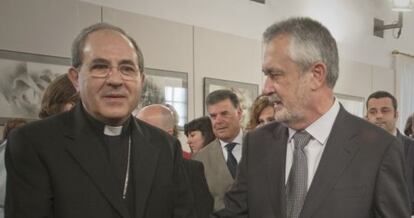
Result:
{"points": [[97, 161]]}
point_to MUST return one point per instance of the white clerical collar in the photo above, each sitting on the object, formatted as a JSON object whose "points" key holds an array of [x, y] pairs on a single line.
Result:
{"points": [[112, 130]]}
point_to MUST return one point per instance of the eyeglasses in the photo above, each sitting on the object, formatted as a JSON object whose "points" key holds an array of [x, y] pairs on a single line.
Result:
{"points": [[104, 70]]}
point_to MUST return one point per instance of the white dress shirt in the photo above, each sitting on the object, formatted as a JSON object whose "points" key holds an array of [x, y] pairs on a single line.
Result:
{"points": [[237, 150], [319, 130]]}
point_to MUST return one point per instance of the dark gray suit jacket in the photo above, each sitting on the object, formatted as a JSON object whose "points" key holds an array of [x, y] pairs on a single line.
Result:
{"points": [[360, 175], [57, 167], [203, 201], [408, 145]]}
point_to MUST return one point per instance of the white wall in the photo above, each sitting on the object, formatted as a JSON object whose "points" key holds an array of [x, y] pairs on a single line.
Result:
{"points": [[223, 56], [43, 27], [365, 60], [351, 21]]}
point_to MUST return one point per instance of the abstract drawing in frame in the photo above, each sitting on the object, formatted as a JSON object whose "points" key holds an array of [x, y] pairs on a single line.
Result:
{"points": [[353, 104], [166, 87], [23, 79], [246, 92]]}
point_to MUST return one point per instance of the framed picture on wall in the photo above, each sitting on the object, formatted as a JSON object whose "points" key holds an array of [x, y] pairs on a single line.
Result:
{"points": [[353, 104], [23, 79], [246, 92], [166, 87]]}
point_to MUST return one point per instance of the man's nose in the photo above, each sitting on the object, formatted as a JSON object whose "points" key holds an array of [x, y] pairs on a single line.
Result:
{"points": [[114, 77], [218, 119], [268, 87], [379, 115]]}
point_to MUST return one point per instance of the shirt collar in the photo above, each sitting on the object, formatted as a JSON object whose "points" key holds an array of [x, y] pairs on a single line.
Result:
{"points": [[112, 130], [238, 139], [321, 128], [395, 133]]}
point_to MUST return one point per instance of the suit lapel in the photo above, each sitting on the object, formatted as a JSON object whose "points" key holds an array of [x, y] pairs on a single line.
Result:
{"points": [[340, 149], [144, 158], [403, 143], [276, 176], [86, 148]]}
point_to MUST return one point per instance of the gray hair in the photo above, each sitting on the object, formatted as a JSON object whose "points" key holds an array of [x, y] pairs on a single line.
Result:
{"points": [[310, 41], [79, 44]]}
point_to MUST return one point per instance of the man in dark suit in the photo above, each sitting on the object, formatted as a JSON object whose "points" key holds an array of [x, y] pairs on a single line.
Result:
{"points": [[97, 160], [163, 117], [317, 160], [382, 110]]}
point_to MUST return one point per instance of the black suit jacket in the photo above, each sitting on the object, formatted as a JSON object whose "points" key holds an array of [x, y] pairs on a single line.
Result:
{"points": [[57, 168], [360, 175], [408, 145], [203, 201]]}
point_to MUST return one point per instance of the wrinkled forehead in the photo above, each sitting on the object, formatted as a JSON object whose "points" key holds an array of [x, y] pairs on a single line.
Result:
{"points": [[106, 42], [220, 106]]}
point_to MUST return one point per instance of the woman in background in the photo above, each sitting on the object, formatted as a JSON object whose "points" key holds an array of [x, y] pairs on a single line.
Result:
{"points": [[58, 97], [199, 133], [261, 113]]}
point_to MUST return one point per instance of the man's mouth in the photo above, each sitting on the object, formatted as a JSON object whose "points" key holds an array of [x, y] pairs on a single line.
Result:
{"points": [[114, 95], [114, 98], [277, 103], [221, 128]]}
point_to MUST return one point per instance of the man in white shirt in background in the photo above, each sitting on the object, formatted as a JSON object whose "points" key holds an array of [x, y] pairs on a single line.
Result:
{"points": [[221, 156]]}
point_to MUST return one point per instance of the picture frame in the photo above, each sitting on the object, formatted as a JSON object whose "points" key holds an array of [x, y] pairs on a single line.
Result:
{"points": [[166, 87], [246, 92], [353, 104], [23, 79]]}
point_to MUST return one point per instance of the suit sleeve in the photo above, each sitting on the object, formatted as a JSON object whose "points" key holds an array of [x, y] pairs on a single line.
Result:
{"points": [[391, 191], [409, 154], [183, 202], [235, 200], [28, 191], [203, 201]]}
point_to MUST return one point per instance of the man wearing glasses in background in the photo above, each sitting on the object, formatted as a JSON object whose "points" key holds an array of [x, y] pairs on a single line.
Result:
{"points": [[97, 160]]}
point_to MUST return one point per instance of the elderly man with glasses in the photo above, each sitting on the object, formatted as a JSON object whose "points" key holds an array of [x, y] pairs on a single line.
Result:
{"points": [[97, 160]]}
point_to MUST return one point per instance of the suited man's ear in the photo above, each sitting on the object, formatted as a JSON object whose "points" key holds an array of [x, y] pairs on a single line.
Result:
{"points": [[73, 75], [319, 74], [239, 113], [170, 131]]}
